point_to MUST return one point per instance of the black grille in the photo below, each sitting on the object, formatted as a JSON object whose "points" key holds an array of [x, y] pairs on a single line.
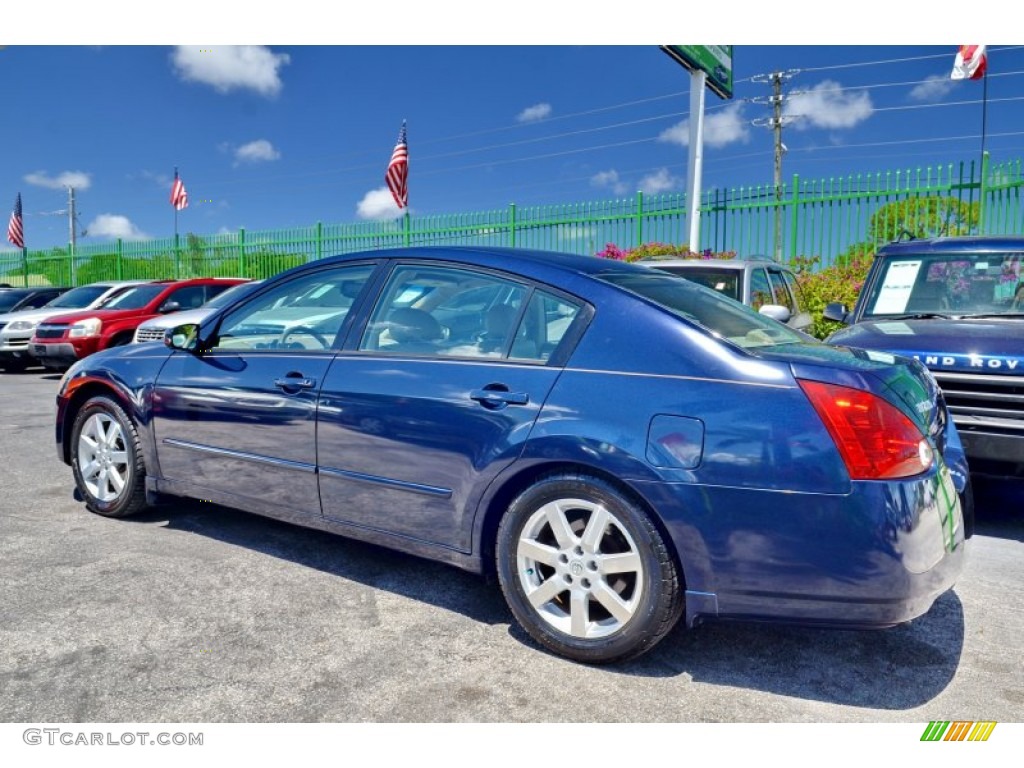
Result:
{"points": [[50, 331], [988, 403]]}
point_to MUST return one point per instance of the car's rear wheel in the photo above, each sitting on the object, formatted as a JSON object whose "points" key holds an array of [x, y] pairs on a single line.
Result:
{"points": [[585, 571], [106, 459]]}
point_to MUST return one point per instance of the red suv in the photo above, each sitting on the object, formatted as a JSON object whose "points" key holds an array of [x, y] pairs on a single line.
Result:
{"points": [[63, 339]]}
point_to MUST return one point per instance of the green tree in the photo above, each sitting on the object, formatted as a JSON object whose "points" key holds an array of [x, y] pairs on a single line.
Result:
{"points": [[923, 217]]}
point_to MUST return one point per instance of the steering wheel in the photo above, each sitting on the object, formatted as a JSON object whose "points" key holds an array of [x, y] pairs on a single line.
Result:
{"points": [[305, 329]]}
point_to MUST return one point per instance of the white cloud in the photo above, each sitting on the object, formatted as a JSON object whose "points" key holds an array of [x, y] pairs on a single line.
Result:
{"points": [[378, 204], [721, 128], [256, 151], [609, 180], [114, 225], [227, 67], [933, 88], [159, 179], [76, 179], [826, 105], [534, 113], [658, 182]]}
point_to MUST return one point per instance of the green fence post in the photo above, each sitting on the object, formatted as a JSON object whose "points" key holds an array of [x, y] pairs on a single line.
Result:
{"points": [[983, 193], [639, 219], [241, 252], [794, 215], [319, 240], [512, 224], [120, 258]]}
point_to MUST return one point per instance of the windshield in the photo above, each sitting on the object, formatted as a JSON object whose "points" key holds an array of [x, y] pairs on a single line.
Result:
{"points": [[9, 298], [79, 298], [725, 281], [724, 317], [135, 297], [948, 284]]}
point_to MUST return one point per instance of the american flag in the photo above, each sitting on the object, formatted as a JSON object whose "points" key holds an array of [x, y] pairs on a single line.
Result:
{"points": [[15, 231], [397, 176], [971, 62], [179, 197]]}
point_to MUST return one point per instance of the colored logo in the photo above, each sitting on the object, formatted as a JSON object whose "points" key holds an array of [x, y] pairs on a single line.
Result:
{"points": [[958, 730]]}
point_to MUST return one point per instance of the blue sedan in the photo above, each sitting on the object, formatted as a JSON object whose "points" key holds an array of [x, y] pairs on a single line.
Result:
{"points": [[618, 446]]}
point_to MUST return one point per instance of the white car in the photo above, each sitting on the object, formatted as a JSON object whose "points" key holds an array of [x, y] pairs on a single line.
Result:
{"points": [[154, 329], [16, 328]]}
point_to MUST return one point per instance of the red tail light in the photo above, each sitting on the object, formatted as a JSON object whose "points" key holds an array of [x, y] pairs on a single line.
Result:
{"points": [[875, 439]]}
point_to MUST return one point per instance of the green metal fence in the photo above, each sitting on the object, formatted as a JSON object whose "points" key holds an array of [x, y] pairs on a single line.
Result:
{"points": [[825, 217]]}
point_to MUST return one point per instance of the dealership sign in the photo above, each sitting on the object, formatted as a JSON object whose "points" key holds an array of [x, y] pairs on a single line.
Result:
{"points": [[713, 60]]}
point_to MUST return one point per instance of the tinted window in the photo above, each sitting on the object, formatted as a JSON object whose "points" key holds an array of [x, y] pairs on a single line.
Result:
{"points": [[725, 281], [449, 311], [135, 297], [79, 298], [305, 313], [187, 297], [9, 299], [760, 289], [780, 292], [725, 318]]}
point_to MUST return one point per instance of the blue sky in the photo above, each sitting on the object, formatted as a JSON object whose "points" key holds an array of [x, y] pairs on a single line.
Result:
{"points": [[286, 135]]}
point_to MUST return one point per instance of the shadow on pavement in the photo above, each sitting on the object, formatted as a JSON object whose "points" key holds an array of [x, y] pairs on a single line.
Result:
{"points": [[899, 668]]}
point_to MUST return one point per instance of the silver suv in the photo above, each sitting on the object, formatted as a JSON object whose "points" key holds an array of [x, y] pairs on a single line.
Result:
{"points": [[765, 285]]}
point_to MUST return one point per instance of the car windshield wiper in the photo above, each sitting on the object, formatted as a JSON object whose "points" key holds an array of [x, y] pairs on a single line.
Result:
{"points": [[921, 316], [987, 315]]}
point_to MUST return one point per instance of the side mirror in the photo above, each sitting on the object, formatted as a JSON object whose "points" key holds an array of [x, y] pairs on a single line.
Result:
{"points": [[836, 312], [168, 307], [182, 337], [776, 312]]}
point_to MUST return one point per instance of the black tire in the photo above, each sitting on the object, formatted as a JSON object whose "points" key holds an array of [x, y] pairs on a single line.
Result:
{"points": [[621, 565], [967, 507], [113, 479]]}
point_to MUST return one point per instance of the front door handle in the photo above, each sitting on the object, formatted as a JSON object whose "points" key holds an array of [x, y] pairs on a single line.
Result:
{"points": [[498, 398], [293, 382]]}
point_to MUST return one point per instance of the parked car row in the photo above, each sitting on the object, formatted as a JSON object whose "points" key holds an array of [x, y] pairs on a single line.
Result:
{"points": [[75, 323]]}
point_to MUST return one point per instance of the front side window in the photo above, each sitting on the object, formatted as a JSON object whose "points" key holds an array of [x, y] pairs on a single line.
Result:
{"points": [[780, 292], [305, 313], [947, 284], [760, 288], [134, 298]]}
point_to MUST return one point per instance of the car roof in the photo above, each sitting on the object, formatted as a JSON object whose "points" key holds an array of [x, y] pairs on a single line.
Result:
{"points": [[750, 261], [992, 243]]}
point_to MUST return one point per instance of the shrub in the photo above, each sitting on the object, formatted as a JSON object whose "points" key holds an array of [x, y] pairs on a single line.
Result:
{"points": [[840, 282]]}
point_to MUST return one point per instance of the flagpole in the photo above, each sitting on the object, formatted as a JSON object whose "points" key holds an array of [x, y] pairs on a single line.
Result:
{"points": [[984, 110], [24, 265]]}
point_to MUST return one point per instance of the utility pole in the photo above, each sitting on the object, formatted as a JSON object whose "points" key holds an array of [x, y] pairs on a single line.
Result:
{"points": [[775, 122], [71, 229]]}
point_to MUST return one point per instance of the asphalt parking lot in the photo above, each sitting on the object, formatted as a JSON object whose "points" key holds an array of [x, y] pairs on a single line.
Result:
{"points": [[197, 613]]}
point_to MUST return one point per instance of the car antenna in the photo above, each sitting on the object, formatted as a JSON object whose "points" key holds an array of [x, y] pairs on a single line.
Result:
{"points": [[905, 233]]}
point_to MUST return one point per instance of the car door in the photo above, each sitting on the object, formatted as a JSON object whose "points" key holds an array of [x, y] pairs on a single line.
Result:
{"points": [[418, 415], [237, 422]]}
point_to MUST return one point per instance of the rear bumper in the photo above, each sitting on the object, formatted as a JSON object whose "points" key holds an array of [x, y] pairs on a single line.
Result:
{"points": [[873, 558]]}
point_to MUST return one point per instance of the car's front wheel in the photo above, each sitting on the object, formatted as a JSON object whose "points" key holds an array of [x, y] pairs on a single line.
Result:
{"points": [[106, 459], [585, 571]]}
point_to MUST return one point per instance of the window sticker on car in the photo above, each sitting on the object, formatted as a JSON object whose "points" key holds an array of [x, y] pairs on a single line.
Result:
{"points": [[895, 293]]}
